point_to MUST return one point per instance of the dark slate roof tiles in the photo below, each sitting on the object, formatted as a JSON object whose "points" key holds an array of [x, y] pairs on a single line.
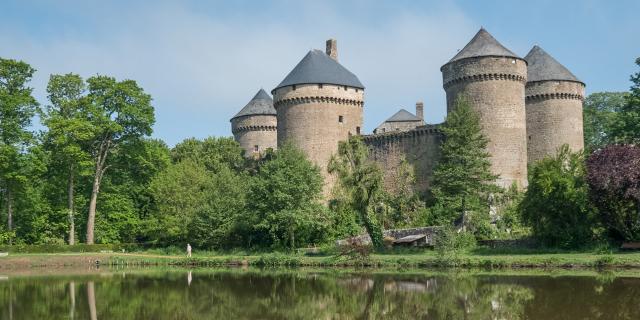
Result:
{"points": [[261, 104], [543, 67], [318, 67], [481, 45], [403, 116]]}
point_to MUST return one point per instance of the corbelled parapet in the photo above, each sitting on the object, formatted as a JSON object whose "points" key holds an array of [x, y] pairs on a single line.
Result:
{"points": [[491, 79], [318, 104], [554, 106], [255, 126]]}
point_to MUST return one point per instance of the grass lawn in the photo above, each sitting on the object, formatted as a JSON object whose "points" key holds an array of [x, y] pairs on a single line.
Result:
{"points": [[479, 258]]}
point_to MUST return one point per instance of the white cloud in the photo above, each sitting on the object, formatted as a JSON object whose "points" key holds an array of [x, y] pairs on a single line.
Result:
{"points": [[202, 67]]}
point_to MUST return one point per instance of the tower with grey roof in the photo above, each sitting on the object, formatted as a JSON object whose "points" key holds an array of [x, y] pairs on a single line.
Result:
{"points": [[491, 79], [254, 127], [554, 106], [318, 104]]}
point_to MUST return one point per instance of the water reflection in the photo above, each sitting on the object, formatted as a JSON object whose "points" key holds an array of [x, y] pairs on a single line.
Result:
{"points": [[238, 294]]}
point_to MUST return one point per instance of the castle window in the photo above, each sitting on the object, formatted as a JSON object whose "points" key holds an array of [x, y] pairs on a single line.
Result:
{"points": [[340, 119], [358, 130], [384, 130], [293, 87], [356, 90], [345, 88], [320, 86], [256, 148]]}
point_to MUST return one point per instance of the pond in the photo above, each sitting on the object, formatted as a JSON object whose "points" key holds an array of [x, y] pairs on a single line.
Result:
{"points": [[315, 294]]}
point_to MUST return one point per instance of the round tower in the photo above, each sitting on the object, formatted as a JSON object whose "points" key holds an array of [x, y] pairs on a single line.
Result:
{"points": [[318, 105], [554, 106], [491, 79], [254, 127]]}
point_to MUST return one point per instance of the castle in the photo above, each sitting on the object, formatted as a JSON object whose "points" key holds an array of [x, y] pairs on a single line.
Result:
{"points": [[528, 107]]}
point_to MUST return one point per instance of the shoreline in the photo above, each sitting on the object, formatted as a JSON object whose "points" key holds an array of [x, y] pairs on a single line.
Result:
{"points": [[565, 261]]}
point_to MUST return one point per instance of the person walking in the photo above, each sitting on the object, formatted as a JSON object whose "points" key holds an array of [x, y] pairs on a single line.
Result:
{"points": [[188, 250]]}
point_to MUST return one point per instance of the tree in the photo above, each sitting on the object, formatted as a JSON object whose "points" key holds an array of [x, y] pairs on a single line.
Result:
{"points": [[601, 110], [626, 128], [404, 209], [120, 112], [17, 107], [212, 152], [284, 200], [462, 181], [556, 204], [68, 135], [614, 181], [361, 180], [180, 192]]}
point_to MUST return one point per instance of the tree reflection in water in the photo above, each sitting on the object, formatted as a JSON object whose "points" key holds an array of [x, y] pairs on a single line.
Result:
{"points": [[236, 294]]}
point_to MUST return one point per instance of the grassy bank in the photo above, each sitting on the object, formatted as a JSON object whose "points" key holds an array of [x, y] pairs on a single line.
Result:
{"points": [[425, 259]]}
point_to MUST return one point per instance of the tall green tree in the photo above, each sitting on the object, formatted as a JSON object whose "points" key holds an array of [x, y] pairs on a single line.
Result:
{"points": [[626, 128], [462, 181], [68, 135], [556, 204], [601, 110], [284, 201], [361, 180], [120, 111], [17, 107]]}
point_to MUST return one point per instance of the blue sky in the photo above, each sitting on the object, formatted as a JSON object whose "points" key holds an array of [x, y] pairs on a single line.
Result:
{"points": [[203, 60]]}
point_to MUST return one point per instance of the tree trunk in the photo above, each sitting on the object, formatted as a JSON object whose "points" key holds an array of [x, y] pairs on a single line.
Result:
{"points": [[9, 213], [92, 207], [103, 151], [70, 207]]}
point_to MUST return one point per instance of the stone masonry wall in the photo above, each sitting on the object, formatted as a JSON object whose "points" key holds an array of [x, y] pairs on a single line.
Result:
{"points": [[420, 147], [494, 87], [309, 117], [554, 117], [255, 130]]}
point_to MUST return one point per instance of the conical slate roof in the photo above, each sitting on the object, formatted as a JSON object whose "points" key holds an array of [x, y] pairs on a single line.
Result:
{"points": [[483, 44], [318, 67], [261, 104], [403, 116], [542, 67]]}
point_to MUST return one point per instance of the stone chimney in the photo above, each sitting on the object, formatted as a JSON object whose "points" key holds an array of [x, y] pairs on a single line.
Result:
{"points": [[332, 49], [420, 110]]}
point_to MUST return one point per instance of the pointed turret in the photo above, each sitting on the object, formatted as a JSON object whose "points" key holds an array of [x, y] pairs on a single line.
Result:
{"points": [[553, 98], [254, 127], [491, 79], [543, 67], [260, 104], [483, 44], [319, 103]]}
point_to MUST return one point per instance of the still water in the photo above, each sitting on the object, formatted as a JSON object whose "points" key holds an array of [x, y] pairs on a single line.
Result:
{"points": [[282, 294]]}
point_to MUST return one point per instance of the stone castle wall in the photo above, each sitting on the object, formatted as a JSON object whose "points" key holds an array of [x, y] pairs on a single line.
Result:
{"points": [[316, 117], [420, 147], [554, 117], [494, 87], [255, 130]]}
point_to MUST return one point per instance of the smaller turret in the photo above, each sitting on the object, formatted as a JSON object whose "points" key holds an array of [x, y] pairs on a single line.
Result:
{"points": [[554, 106], [255, 126]]}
